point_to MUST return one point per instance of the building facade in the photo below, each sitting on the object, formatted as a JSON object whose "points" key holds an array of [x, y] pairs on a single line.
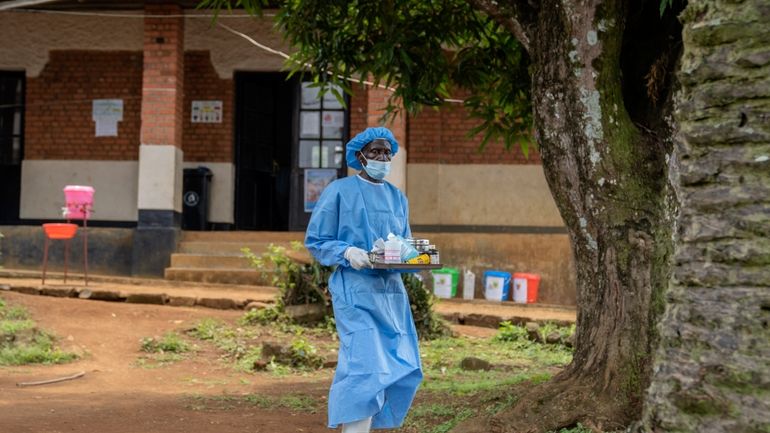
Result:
{"points": [[125, 99]]}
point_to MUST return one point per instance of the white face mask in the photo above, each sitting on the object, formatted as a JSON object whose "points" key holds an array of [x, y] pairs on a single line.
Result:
{"points": [[377, 169]]}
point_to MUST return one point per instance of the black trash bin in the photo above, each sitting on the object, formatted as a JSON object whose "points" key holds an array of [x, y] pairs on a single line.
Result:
{"points": [[196, 187]]}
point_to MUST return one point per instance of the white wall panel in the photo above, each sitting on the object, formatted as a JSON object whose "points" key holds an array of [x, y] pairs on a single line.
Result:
{"points": [[480, 194], [115, 182], [160, 177]]}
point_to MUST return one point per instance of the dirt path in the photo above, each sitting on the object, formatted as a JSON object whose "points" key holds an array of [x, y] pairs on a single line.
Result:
{"points": [[117, 395]]}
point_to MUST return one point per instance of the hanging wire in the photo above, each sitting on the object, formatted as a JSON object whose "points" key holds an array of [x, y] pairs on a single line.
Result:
{"points": [[128, 15]]}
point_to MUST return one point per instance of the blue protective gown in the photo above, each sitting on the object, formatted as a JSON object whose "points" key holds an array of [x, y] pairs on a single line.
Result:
{"points": [[378, 368]]}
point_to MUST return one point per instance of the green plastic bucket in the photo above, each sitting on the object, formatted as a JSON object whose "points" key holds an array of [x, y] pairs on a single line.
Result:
{"points": [[445, 281]]}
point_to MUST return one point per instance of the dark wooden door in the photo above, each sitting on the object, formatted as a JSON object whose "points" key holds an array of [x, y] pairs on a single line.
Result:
{"points": [[11, 143], [263, 147]]}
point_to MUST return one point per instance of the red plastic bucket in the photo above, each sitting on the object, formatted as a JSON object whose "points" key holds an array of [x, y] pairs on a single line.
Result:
{"points": [[525, 287], [79, 201]]}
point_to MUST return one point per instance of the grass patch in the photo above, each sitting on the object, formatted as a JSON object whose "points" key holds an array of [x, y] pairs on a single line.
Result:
{"points": [[512, 355], [464, 383], [21, 342], [171, 342], [450, 395], [163, 351], [157, 360], [242, 345], [295, 403]]}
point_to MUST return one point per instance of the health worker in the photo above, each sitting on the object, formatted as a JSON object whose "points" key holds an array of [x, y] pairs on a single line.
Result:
{"points": [[378, 369]]}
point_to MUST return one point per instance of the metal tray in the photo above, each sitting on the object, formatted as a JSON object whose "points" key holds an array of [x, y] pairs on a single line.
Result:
{"points": [[405, 266]]}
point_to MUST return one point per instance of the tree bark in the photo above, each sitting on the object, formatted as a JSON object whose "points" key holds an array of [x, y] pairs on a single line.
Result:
{"points": [[712, 371], [609, 179]]}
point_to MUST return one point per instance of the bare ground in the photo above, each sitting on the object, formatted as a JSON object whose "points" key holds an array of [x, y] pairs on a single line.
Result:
{"points": [[117, 395]]}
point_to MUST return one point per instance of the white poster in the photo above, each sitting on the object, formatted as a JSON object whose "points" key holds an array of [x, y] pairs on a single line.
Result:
{"points": [[442, 285], [494, 288], [310, 124], [106, 128], [107, 113], [333, 119], [310, 96], [316, 180], [520, 290], [206, 112]]}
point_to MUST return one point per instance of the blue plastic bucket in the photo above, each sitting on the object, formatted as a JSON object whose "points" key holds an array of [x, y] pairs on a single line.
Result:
{"points": [[497, 285]]}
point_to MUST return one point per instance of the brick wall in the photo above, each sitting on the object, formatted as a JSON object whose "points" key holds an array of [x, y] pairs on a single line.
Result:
{"points": [[377, 101], [358, 104], [441, 137], [212, 142], [163, 76], [58, 122]]}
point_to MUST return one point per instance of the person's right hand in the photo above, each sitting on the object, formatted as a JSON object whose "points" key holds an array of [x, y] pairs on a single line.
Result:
{"points": [[358, 258]]}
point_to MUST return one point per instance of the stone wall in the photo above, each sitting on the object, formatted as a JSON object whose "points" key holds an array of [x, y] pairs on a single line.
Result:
{"points": [[109, 250], [712, 372]]}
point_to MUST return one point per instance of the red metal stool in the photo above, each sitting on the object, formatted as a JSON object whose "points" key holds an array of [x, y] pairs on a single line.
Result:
{"points": [[65, 232]]}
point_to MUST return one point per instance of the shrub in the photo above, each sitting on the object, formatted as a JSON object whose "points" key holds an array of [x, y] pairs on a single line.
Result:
{"points": [[264, 316], [170, 342], [309, 283], [304, 354], [429, 325], [507, 331], [299, 283]]}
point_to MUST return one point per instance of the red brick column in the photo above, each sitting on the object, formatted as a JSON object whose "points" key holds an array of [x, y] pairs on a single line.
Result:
{"points": [[163, 77], [377, 101], [159, 199]]}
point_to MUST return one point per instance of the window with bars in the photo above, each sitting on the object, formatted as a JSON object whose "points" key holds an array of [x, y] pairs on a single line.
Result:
{"points": [[321, 129], [11, 112]]}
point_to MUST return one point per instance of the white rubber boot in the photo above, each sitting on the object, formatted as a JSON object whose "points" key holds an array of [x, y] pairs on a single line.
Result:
{"points": [[362, 426]]}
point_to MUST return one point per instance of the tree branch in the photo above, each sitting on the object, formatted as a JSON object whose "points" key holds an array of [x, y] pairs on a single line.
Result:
{"points": [[511, 19]]}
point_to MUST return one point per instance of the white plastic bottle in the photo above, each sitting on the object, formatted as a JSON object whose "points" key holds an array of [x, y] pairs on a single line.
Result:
{"points": [[392, 251]]}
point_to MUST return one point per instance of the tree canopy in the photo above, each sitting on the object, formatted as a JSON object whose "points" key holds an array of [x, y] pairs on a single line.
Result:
{"points": [[427, 51]]}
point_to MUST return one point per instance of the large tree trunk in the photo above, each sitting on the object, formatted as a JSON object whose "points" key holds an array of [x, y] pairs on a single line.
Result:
{"points": [[609, 180], [713, 366], [605, 150]]}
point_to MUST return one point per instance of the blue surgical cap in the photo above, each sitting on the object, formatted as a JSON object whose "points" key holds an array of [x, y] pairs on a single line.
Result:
{"points": [[365, 137]]}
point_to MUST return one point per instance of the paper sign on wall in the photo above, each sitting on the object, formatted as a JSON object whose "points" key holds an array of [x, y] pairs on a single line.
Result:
{"points": [[107, 113], [206, 112]]}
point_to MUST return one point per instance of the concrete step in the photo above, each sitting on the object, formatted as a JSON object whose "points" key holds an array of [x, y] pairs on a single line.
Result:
{"points": [[220, 276], [214, 248], [209, 261], [243, 236]]}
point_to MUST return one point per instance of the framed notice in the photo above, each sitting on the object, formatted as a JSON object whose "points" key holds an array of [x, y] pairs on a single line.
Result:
{"points": [[206, 112], [316, 180]]}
